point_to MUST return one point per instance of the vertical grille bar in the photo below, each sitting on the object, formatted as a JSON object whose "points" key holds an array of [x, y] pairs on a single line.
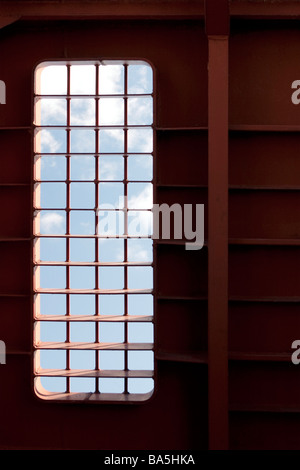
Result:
{"points": [[126, 216], [68, 228], [97, 325]]}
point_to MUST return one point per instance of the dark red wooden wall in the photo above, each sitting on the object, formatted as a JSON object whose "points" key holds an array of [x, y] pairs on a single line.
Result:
{"points": [[263, 239]]}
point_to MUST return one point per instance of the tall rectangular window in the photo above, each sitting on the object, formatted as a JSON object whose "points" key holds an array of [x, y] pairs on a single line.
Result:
{"points": [[93, 254]]}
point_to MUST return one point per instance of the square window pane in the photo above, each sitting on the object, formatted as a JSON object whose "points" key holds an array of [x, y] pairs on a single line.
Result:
{"points": [[111, 195], [82, 304], [140, 195], [140, 332], [82, 167], [111, 385], [140, 304], [52, 304], [52, 249], [82, 277], [82, 112], [82, 332], [140, 250], [140, 223], [140, 111], [52, 331], [82, 195], [140, 167], [110, 223], [82, 360], [82, 222], [111, 79], [82, 140], [140, 277], [111, 111], [140, 360], [52, 277], [82, 385], [140, 140], [53, 195], [51, 141], [111, 277], [140, 79], [83, 79], [111, 141], [53, 168], [140, 385], [52, 359], [111, 304], [53, 222], [82, 249], [53, 80], [54, 384], [111, 332], [111, 250], [53, 112], [111, 167], [111, 360]]}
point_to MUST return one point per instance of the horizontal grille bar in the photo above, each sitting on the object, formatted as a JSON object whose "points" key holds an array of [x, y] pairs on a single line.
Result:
{"points": [[95, 373], [102, 209], [116, 95], [41, 235], [92, 263], [93, 291], [95, 346], [94, 127], [95, 318]]}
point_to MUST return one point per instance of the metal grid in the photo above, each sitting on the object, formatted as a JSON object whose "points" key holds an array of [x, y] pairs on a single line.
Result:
{"points": [[129, 377]]}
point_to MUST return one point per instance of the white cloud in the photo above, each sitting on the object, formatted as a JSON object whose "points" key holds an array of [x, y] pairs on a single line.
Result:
{"points": [[51, 222], [143, 199], [49, 143]]}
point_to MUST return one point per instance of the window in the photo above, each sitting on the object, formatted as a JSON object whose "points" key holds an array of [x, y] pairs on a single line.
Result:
{"points": [[93, 254]]}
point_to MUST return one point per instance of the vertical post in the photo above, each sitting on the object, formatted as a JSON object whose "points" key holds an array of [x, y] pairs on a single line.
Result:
{"points": [[217, 29]]}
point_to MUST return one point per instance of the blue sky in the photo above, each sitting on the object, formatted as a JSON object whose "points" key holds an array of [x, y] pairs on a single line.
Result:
{"points": [[51, 144]]}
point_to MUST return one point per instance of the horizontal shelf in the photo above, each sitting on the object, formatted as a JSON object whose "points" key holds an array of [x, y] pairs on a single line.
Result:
{"points": [[94, 373], [91, 263], [265, 408], [14, 295], [265, 127], [15, 239], [167, 298], [181, 242], [94, 291], [186, 128], [195, 358], [265, 241], [15, 128], [95, 346], [95, 318], [203, 357], [181, 186], [269, 299], [269, 188], [14, 185], [260, 357]]}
